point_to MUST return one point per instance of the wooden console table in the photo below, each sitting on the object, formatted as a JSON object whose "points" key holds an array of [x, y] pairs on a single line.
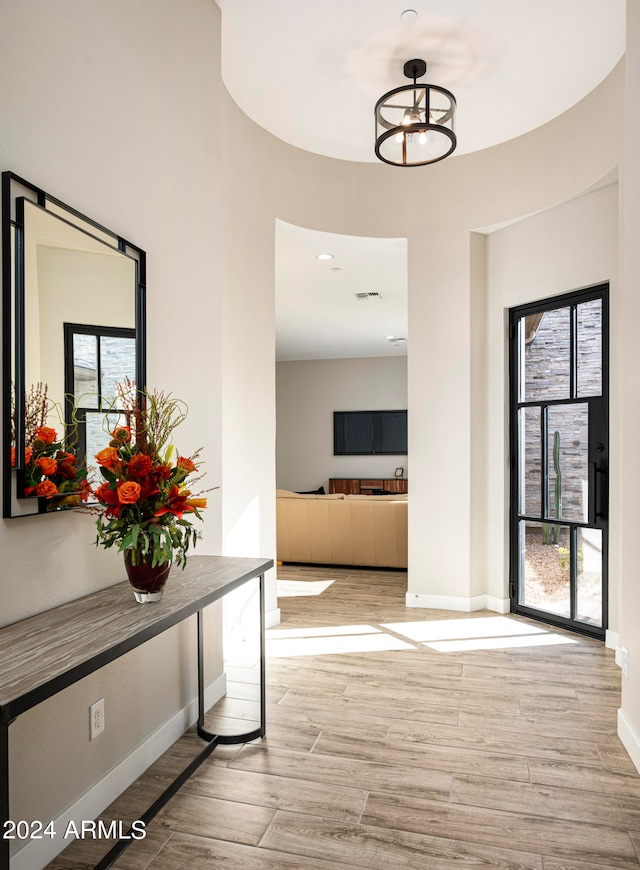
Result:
{"points": [[44, 654], [368, 485]]}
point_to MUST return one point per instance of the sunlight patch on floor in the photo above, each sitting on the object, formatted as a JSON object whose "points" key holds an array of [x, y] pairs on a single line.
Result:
{"points": [[331, 640], [302, 588], [321, 631], [515, 642], [490, 632], [441, 635]]}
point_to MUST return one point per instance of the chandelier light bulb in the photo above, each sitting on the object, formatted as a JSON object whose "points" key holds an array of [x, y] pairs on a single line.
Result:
{"points": [[422, 138]]}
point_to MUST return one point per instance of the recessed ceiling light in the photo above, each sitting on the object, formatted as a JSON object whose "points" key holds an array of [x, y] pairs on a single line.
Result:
{"points": [[409, 15], [336, 269], [324, 256]]}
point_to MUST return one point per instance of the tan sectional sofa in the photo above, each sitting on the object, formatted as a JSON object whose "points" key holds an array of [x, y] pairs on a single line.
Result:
{"points": [[367, 530]]}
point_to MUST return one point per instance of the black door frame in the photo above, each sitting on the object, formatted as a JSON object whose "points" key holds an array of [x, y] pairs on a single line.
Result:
{"points": [[598, 458]]}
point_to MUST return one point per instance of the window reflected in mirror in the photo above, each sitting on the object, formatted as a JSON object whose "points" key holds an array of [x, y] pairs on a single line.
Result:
{"points": [[100, 361], [75, 291]]}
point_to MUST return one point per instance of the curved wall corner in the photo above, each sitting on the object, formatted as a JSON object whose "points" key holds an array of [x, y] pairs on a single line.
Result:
{"points": [[436, 208]]}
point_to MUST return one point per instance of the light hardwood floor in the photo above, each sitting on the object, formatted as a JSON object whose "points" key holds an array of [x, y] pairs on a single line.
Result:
{"points": [[404, 739]]}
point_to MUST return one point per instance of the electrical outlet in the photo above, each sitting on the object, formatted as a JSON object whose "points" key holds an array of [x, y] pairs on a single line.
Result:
{"points": [[96, 719], [624, 656]]}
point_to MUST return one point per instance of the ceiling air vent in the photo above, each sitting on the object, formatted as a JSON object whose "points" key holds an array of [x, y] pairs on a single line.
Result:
{"points": [[371, 295]]}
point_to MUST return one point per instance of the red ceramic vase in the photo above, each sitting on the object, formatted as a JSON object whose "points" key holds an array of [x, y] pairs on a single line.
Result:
{"points": [[146, 579]]}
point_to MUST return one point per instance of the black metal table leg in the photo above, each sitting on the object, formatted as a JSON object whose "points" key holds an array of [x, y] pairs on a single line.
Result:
{"points": [[263, 663], [212, 740], [230, 739], [201, 710]]}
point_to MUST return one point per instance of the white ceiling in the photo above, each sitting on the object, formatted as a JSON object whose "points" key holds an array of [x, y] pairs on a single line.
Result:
{"points": [[318, 315], [307, 71]]}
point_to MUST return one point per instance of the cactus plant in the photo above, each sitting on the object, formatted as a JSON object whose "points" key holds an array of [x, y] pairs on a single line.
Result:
{"points": [[551, 532]]}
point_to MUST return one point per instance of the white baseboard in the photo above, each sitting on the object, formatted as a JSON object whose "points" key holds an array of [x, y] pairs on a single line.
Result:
{"points": [[611, 641], [497, 605], [272, 617], [629, 739], [38, 853], [455, 602]]}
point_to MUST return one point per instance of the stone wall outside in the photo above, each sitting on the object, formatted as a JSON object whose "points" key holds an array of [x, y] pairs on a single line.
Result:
{"points": [[547, 376]]}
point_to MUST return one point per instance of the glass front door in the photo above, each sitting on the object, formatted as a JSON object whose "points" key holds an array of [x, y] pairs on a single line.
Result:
{"points": [[559, 459]]}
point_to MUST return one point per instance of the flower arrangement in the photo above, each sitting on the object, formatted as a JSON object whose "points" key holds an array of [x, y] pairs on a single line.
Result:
{"points": [[50, 470], [145, 498]]}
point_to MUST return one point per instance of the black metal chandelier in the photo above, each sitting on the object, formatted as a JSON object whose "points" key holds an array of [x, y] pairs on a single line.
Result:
{"points": [[414, 123]]}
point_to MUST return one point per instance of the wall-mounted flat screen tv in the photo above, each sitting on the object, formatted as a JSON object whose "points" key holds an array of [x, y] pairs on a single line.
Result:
{"points": [[362, 433]]}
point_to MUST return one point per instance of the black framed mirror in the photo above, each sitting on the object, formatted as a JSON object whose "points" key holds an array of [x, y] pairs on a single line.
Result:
{"points": [[73, 337]]}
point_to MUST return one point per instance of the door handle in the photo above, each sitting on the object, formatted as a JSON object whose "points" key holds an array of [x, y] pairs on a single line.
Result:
{"points": [[596, 482], [591, 485]]}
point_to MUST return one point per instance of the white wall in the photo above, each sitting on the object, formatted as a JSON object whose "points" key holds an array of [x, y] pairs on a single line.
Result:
{"points": [[628, 393], [437, 210], [247, 378], [115, 108], [102, 106], [307, 394], [567, 247], [454, 336]]}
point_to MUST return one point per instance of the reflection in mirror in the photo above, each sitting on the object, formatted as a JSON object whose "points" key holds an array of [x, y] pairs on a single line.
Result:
{"points": [[99, 362], [75, 295]]}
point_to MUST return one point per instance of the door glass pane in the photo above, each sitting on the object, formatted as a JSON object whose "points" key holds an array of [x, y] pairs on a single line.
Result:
{"points": [[530, 461], [117, 362], [545, 354], [545, 567], [85, 370], [589, 337], [568, 462], [589, 556]]}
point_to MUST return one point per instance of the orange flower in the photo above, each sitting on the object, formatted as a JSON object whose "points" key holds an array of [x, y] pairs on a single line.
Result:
{"points": [[176, 504], [108, 457], [67, 468], [186, 464], [196, 503], [108, 497], [128, 492], [46, 488], [139, 465], [161, 472], [47, 465], [85, 490], [46, 434]]}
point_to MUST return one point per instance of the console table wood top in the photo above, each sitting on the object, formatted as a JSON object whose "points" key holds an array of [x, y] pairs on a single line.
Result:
{"points": [[45, 653]]}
